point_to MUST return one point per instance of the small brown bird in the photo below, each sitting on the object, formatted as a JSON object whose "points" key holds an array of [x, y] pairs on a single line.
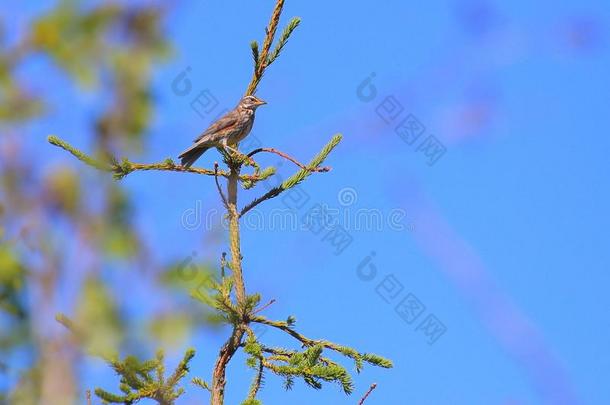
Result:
{"points": [[230, 129]]}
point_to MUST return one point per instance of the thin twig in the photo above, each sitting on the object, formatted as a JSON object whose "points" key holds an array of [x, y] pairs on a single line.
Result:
{"points": [[267, 305], [371, 388], [293, 160], [222, 194]]}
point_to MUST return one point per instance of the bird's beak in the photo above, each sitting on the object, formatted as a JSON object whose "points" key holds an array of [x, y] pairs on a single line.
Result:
{"points": [[261, 102]]}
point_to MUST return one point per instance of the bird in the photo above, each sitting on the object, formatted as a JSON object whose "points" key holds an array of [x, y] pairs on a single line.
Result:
{"points": [[226, 132]]}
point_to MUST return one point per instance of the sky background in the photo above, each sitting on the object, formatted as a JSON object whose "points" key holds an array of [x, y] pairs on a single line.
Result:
{"points": [[504, 238]]}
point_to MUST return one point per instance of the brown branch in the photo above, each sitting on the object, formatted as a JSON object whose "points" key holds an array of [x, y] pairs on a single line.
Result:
{"points": [[231, 346], [234, 237], [224, 357], [371, 388], [287, 157]]}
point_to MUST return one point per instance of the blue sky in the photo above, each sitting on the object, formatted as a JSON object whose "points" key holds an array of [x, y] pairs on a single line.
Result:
{"points": [[507, 232]]}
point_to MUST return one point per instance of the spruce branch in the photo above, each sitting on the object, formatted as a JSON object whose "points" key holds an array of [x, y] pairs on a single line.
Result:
{"points": [[145, 380], [309, 364], [125, 167], [104, 166], [257, 383], [292, 25], [182, 369], [160, 369], [255, 54], [220, 300], [264, 58], [258, 176], [297, 177], [252, 402], [138, 379], [201, 384], [359, 358], [271, 29], [307, 367]]}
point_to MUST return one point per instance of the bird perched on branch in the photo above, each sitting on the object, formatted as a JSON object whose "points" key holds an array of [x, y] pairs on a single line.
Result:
{"points": [[226, 132]]}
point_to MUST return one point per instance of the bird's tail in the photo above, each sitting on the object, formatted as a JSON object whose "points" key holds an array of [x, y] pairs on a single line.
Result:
{"points": [[190, 156]]}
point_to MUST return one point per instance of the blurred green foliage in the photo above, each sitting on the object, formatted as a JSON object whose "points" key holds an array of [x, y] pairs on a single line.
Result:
{"points": [[98, 320], [61, 232], [111, 49]]}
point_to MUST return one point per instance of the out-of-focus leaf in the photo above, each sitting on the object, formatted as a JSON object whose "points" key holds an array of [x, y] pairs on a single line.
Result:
{"points": [[171, 330], [186, 275], [120, 243], [11, 270], [63, 190], [118, 207], [17, 104], [97, 319], [120, 239], [28, 389], [113, 43]]}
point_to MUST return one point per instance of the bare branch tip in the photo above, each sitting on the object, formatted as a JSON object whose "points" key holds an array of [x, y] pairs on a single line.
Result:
{"points": [[371, 388]]}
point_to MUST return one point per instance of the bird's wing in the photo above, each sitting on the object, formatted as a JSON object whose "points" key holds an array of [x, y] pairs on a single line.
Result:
{"points": [[217, 128]]}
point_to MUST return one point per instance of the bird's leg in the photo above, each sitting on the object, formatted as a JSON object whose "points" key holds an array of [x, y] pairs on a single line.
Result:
{"points": [[230, 148], [238, 153]]}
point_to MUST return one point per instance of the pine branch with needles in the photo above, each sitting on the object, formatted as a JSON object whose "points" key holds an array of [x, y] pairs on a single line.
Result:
{"points": [[226, 294]]}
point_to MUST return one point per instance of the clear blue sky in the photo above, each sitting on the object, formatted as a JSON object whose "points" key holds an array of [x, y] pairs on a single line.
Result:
{"points": [[507, 239]]}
